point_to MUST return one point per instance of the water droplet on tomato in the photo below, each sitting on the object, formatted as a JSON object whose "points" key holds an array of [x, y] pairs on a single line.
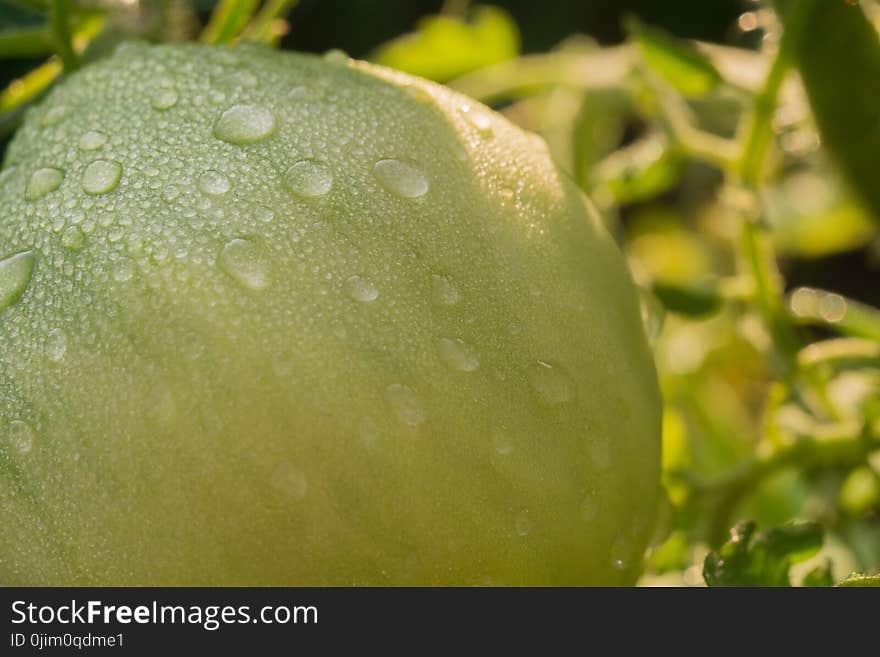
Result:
{"points": [[164, 99], [92, 140], [290, 481], [101, 176], [242, 260], [401, 178], [359, 288], [21, 436], [245, 124], [406, 404], [523, 523], [43, 181], [213, 183], [73, 238], [551, 382], [457, 354], [443, 291], [56, 345], [15, 275], [477, 118], [309, 179]]}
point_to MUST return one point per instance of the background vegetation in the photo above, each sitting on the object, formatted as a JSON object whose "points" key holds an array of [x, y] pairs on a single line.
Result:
{"points": [[736, 169]]}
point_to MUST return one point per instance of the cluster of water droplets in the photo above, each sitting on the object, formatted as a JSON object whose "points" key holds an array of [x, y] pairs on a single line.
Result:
{"points": [[247, 262]]}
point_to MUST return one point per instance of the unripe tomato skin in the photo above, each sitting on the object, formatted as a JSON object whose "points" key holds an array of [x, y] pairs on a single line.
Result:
{"points": [[287, 321]]}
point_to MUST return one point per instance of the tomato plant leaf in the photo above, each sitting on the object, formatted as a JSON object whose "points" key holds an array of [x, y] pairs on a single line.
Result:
{"points": [[698, 300], [228, 20], [838, 55], [444, 46], [678, 62], [762, 559]]}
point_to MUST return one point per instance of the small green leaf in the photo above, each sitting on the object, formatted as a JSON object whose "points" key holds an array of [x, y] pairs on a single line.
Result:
{"points": [[228, 20], [698, 300], [794, 542], [858, 580], [444, 46], [838, 55], [679, 63], [641, 171], [763, 559], [265, 25]]}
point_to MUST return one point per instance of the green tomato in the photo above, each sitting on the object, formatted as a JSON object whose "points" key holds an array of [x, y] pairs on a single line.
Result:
{"points": [[273, 319]]}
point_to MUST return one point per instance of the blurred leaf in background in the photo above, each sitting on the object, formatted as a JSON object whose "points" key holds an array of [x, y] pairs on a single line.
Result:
{"points": [[445, 46]]}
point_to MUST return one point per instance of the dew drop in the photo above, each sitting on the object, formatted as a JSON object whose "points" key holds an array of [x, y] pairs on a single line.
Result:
{"points": [[588, 506], [21, 436], [551, 382], [264, 214], [242, 261], [600, 452], [476, 118], [73, 238], [418, 93], [369, 431], [245, 124], [54, 115], [406, 404], [290, 481], [443, 291], [42, 182], [92, 140], [457, 354], [359, 288], [401, 178], [336, 56], [619, 553], [524, 524], [501, 441], [213, 183], [164, 99], [56, 345], [301, 92], [15, 275], [101, 176], [123, 270], [308, 178]]}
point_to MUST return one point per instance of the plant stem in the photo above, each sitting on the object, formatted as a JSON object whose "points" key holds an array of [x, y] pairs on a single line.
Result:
{"points": [[62, 36], [837, 445]]}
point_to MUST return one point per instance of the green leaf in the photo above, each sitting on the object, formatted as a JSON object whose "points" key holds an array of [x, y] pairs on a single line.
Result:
{"points": [[228, 20], [265, 25], [858, 580], [838, 55], [25, 42], [444, 47], [640, 171], [678, 62], [698, 300], [764, 559]]}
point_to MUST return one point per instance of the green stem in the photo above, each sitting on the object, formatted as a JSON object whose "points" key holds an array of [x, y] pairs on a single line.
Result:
{"points": [[837, 445], [759, 128], [62, 36], [261, 27], [761, 264]]}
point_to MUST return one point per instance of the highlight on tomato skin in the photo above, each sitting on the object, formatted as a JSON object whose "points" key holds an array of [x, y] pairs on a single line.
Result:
{"points": [[339, 326]]}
